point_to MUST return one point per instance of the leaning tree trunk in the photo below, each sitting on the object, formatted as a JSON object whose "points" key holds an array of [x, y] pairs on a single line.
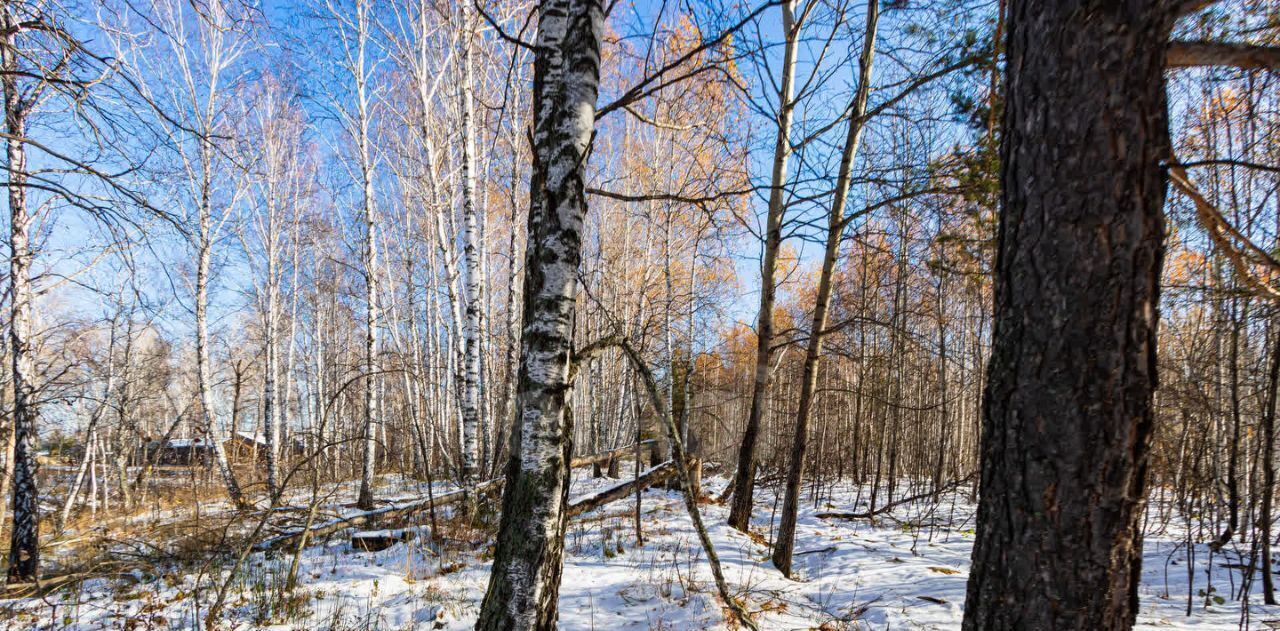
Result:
{"points": [[203, 372], [744, 479], [24, 542], [1068, 404], [784, 544], [524, 584]]}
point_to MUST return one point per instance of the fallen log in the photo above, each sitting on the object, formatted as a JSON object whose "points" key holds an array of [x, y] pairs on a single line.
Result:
{"points": [[395, 511], [41, 587], [614, 493], [401, 511], [606, 456], [375, 540], [889, 507]]}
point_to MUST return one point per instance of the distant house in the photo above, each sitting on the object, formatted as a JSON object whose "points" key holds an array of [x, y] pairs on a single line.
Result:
{"points": [[245, 447], [44, 457], [181, 451], [241, 448]]}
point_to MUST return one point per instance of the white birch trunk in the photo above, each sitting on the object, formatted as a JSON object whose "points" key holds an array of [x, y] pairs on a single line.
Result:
{"points": [[204, 377], [270, 391], [525, 580], [24, 542], [470, 398], [360, 77]]}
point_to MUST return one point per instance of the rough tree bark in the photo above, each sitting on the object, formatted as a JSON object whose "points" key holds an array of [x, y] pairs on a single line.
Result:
{"points": [[1068, 403], [1269, 467], [524, 584]]}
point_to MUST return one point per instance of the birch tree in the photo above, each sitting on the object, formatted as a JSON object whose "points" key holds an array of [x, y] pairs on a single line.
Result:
{"points": [[471, 252], [52, 83], [204, 48], [353, 26], [525, 580], [24, 542], [43, 68], [744, 475], [280, 174], [784, 544]]}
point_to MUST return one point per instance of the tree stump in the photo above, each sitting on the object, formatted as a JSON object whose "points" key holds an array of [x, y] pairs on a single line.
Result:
{"points": [[695, 477]]}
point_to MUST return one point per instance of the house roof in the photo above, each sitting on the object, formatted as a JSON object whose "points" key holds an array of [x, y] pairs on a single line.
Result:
{"points": [[186, 443], [252, 438]]}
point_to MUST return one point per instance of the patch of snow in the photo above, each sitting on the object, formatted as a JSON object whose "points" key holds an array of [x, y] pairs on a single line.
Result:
{"points": [[906, 570]]}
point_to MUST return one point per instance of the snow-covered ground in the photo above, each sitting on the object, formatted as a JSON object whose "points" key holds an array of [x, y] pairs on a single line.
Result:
{"points": [[906, 571]]}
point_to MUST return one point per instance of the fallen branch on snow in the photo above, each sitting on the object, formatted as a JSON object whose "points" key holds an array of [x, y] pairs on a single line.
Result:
{"points": [[605, 456], [395, 511], [892, 505], [617, 492], [400, 511]]}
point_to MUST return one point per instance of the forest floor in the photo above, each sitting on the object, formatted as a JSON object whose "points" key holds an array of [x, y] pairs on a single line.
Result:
{"points": [[902, 570]]}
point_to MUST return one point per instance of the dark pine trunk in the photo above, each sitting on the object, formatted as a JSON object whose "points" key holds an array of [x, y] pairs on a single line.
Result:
{"points": [[524, 585], [1269, 468], [1068, 403]]}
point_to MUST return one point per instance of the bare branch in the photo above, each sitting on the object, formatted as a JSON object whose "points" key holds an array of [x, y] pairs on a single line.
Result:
{"points": [[638, 90], [1194, 54], [1187, 7], [1244, 255], [1229, 163]]}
